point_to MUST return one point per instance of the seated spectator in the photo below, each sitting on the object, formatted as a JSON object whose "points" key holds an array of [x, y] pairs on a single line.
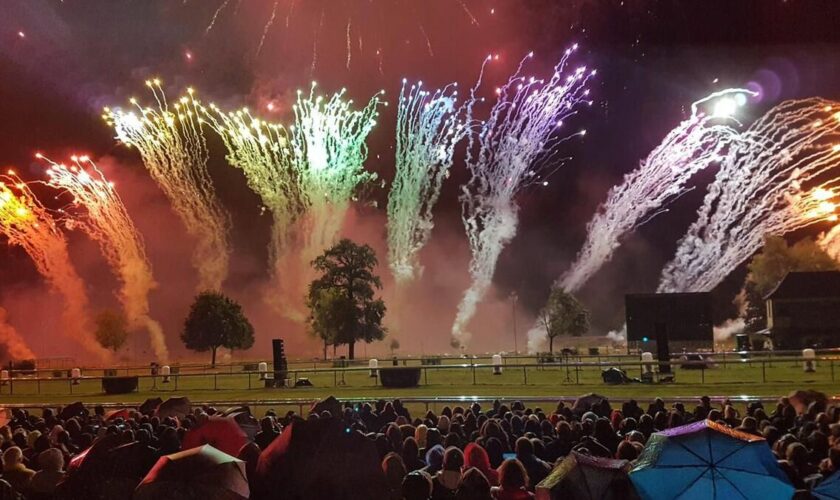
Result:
{"points": [[15, 472], [45, 480], [536, 468], [473, 486], [394, 470], [513, 482], [476, 457], [267, 433], [417, 485], [447, 479]]}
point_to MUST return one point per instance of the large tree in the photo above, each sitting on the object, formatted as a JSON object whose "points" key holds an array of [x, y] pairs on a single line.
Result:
{"points": [[216, 320], [343, 309], [768, 267], [111, 330], [563, 314]]}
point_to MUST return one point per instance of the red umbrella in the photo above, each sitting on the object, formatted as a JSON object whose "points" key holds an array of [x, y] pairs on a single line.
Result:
{"points": [[123, 414], [200, 473], [223, 433]]}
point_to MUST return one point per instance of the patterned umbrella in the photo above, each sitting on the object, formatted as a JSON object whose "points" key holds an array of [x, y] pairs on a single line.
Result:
{"points": [[708, 460]]}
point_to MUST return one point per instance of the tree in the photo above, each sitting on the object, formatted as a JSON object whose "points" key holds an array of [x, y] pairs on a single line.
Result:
{"points": [[563, 314], [214, 321], [111, 330], [769, 267], [341, 302], [329, 309]]}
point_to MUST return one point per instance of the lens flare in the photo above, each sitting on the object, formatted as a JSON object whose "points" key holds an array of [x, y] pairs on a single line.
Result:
{"points": [[98, 211]]}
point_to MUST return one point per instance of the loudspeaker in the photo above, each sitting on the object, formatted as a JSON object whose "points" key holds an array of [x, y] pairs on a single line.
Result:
{"points": [[662, 351], [281, 367], [119, 385]]}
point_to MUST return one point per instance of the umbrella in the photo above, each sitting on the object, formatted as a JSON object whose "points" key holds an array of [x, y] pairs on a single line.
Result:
{"points": [[91, 474], [708, 460], [174, 407], [329, 404], [72, 410], [801, 399], [149, 406], [221, 432], [585, 402], [829, 489], [246, 421], [123, 414], [582, 477], [199, 473], [319, 459]]}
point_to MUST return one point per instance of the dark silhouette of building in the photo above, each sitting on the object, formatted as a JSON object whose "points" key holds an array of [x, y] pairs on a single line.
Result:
{"points": [[804, 310]]}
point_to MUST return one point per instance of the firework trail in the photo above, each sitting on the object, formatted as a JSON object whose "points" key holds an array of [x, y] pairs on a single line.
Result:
{"points": [[171, 142], [15, 345], [516, 148], [778, 177], [429, 126], [263, 152], [329, 150], [107, 222], [662, 177], [267, 27], [26, 223]]}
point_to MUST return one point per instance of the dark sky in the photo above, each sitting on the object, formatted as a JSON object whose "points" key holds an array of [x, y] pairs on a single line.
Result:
{"points": [[61, 61]]}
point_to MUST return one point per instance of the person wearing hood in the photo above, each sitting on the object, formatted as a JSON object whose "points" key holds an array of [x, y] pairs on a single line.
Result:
{"points": [[434, 460], [394, 470], [477, 457], [447, 479]]}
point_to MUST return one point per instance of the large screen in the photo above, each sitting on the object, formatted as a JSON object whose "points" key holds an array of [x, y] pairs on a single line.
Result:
{"points": [[684, 316]]}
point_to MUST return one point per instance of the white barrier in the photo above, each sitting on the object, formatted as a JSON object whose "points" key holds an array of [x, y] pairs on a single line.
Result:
{"points": [[497, 364], [373, 364], [810, 363]]}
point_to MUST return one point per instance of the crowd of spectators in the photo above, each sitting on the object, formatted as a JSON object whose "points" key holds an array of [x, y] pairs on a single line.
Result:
{"points": [[501, 451]]}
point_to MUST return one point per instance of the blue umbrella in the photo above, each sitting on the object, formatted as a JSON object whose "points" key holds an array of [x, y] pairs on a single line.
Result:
{"points": [[829, 489], [708, 460]]}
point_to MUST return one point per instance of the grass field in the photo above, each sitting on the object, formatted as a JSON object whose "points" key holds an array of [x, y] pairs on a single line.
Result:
{"points": [[754, 379]]}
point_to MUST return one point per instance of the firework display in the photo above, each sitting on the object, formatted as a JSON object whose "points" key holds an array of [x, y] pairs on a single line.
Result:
{"points": [[429, 126], [514, 148], [263, 151], [171, 142], [104, 218], [328, 145], [26, 223], [699, 141], [779, 176]]}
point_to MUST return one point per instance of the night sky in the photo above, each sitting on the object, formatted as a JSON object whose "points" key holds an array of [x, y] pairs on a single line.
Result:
{"points": [[62, 61]]}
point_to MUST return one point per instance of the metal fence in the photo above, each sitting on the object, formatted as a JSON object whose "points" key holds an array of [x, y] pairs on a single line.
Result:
{"points": [[468, 372]]}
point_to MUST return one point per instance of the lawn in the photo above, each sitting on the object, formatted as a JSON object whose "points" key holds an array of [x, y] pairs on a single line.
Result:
{"points": [[755, 379]]}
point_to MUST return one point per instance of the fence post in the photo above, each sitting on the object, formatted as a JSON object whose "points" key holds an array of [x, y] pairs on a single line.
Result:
{"points": [[831, 364], [473, 370], [763, 372], [249, 380], [426, 380], [703, 373], [525, 373], [335, 378], [215, 381]]}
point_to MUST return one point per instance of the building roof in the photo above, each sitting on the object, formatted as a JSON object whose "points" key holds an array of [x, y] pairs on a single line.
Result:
{"points": [[807, 285]]}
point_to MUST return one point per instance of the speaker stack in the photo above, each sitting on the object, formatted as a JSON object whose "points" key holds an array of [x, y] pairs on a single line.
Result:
{"points": [[281, 366]]}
